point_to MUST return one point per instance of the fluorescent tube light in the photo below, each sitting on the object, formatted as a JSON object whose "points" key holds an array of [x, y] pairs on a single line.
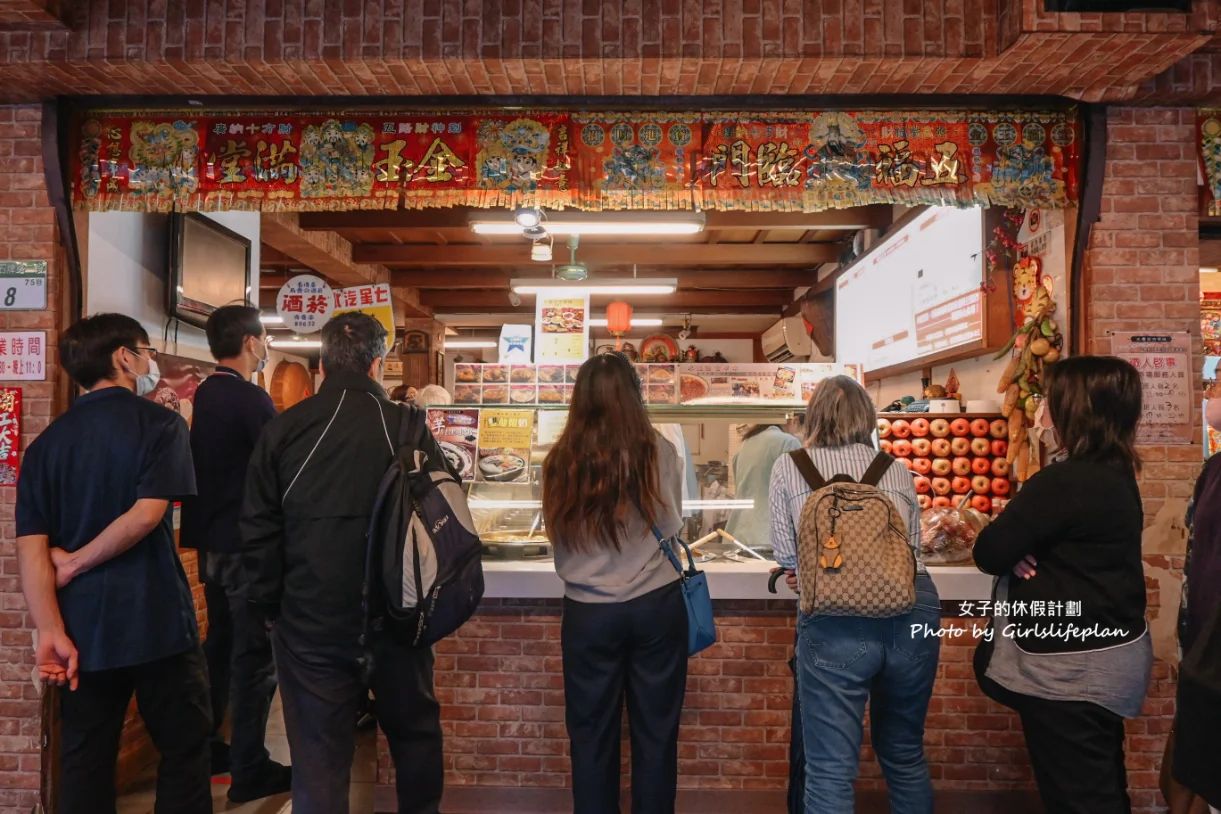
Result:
{"points": [[608, 286], [491, 503], [271, 319], [605, 224], [470, 343], [644, 322], [296, 344]]}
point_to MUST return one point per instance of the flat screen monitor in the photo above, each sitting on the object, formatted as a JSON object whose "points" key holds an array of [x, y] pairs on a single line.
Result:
{"points": [[917, 295], [209, 267]]}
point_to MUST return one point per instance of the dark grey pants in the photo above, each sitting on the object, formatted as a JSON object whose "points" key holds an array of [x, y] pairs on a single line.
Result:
{"points": [[240, 665], [321, 693]]}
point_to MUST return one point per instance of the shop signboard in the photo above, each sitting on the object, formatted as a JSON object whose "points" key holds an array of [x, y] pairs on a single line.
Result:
{"points": [[505, 439], [23, 356], [305, 303], [561, 325], [1163, 359], [779, 160], [10, 435], [373, 299], [23, 285]]}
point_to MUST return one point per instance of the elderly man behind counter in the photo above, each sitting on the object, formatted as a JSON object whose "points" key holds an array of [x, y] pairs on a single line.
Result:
{"points": [[103, 583]]}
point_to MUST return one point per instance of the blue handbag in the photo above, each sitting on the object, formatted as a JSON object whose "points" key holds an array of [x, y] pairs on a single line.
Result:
{"points": [[701, 627]]}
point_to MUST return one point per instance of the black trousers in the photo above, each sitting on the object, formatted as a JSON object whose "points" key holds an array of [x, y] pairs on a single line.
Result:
{"points": [[1075, 748], [172, 695], [321, 693], [240, 666], [636, 649]]}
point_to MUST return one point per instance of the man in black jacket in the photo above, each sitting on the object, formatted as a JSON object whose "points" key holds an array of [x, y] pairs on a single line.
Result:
{"points": [[310, 492], [230, 413]]}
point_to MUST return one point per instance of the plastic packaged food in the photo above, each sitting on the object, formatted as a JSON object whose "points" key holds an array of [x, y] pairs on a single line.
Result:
{"points": [[947, 536]]}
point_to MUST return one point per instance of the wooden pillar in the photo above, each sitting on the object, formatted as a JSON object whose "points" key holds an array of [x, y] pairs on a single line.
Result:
{"points": [[422, 352]]}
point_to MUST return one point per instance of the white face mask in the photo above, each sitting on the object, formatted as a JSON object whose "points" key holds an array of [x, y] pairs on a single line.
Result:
{"points": [[262, 361], [147, 382]]}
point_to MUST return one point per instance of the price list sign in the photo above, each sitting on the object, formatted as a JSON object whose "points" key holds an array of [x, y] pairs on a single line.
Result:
{"points": [[1163, 359], [23, 285]]}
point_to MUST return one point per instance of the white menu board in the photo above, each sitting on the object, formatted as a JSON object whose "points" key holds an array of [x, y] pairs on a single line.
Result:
{"points": [[561, 327], [916, 294]]}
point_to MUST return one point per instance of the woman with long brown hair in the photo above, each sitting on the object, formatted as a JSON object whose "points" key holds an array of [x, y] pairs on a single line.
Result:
{"points": [[611, 485]]}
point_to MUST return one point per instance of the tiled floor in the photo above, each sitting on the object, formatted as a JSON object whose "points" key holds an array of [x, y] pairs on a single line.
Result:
{"points": [[364, 775]]}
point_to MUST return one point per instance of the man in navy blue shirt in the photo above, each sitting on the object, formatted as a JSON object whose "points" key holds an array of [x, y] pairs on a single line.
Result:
{"points": [[103, 582], [230, 413]]}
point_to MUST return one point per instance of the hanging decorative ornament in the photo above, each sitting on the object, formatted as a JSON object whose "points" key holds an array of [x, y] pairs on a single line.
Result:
{"points": [[619, 321]]}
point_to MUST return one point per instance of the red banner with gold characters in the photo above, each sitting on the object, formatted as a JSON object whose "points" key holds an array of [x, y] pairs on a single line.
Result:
{"points": [[784, 161], [10, 435]]}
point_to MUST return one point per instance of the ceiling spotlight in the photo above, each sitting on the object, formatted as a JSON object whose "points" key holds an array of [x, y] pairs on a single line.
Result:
{"points": [[534, 233], [527, 217], [514, 299]]}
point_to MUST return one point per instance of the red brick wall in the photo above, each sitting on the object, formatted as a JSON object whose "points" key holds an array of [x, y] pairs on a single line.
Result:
{"points": [[501, 688], [27, 231], [610, 47], [1143, 273]]}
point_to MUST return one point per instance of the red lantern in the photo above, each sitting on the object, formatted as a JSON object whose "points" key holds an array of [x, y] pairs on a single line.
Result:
{"points": [[619, 320]]}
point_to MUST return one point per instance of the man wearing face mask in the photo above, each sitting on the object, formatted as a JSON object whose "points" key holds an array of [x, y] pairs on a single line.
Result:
{"points": [[230, 413], [102, 580]]}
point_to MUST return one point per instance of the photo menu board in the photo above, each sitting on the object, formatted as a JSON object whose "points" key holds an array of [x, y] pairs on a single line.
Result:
{"points": [[915, 295], [662, 384]]}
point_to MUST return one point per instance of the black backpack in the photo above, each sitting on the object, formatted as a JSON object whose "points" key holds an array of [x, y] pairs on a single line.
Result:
{"points": [[423, 566]]}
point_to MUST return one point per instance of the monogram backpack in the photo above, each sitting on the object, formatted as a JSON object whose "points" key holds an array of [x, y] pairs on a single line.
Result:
{"points": [[853, 554]]}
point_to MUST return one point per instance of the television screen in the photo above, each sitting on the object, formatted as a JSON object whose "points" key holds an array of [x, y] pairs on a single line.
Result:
{"points": [[915, 295], [209, 267]]}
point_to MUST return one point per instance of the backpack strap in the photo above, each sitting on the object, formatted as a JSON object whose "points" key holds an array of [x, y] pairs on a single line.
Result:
{"points": [[809, 472], [409, 426], [873, 475]]}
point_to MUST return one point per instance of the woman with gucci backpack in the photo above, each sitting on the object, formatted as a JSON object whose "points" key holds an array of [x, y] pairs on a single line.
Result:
{"points": [[846, 528], [1071, 652], [611, 486]]}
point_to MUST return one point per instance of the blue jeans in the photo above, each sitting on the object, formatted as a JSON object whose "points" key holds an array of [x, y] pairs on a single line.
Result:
{"points": [[844, 661]]}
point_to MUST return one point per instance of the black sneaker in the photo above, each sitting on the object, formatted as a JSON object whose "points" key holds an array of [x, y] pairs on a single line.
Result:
{"points": [[220, 757], [272, 780]]}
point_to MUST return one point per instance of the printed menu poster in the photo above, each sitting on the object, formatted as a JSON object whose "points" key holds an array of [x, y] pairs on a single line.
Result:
{"points": [[551, 425], [1163, 359], [505, 438], [457, 431], [737, 383], [561, 328]]}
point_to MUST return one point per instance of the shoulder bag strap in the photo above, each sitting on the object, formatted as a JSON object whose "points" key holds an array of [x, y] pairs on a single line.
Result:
{"points": [[873, 475], [809, 472]]}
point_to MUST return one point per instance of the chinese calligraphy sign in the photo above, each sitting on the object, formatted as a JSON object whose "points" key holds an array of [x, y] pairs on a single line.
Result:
{"points": [[781, 161], [23, 356], [10, 434], [305, 303]]}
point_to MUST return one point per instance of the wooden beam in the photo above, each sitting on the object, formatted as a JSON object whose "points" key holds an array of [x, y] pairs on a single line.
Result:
{"points": [[697, 254], [762, 301], [749, 279], [876, 216], [332, 256]]}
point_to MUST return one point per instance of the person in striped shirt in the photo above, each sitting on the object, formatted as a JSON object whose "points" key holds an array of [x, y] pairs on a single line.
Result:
{"points": [[844, 661]]}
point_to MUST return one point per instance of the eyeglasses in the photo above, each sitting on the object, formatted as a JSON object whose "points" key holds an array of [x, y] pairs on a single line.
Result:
{"points": [[153, 353]]}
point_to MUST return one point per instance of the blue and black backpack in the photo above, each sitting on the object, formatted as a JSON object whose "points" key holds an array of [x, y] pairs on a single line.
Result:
{"points": [[423, 566]]}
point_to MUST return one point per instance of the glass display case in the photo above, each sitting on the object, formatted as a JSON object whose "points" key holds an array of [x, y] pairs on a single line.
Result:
{"points": [[501, 451]]}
